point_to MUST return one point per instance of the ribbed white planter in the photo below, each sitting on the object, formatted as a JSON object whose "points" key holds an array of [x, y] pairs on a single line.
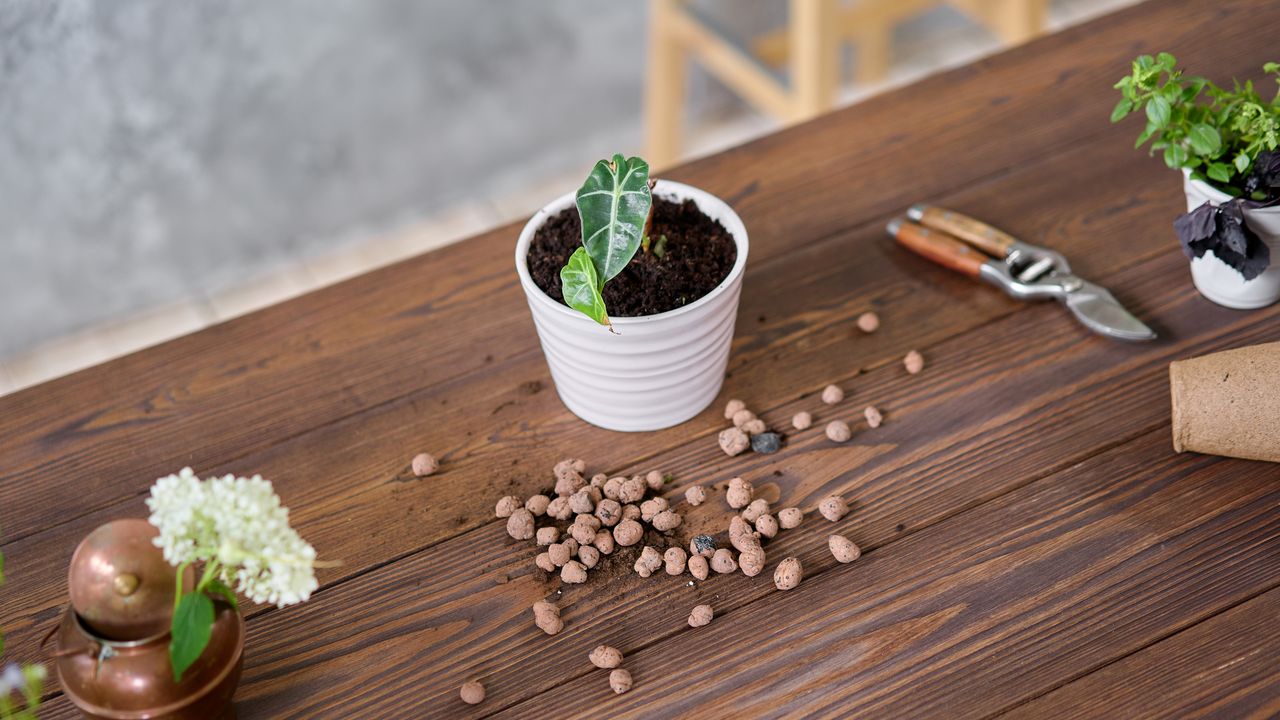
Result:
{"points": [[658, 370], [1217, 280]]}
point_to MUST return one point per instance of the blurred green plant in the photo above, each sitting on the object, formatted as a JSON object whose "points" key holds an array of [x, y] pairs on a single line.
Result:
{"points": [[25, 682], [1217, 134]]}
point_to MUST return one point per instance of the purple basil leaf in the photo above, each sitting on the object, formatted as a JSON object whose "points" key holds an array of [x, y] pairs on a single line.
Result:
{"points": [[1195, 228]]}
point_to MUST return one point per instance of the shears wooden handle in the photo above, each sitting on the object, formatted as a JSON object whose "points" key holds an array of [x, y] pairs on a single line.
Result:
{"points": [[989, 240], [938, 247]]}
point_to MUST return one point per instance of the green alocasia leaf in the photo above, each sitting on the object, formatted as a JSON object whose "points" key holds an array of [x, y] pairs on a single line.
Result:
{"points": [[581, 287], [217, 587], [1204, 139], [192, 625], [614, 206]]}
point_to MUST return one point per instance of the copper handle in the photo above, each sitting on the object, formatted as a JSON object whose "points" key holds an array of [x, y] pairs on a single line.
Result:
{"points": [[989, 240], [942, 249]]}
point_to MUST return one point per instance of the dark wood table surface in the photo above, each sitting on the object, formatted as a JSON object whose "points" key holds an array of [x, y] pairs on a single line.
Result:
{"points": [[1033, 546]]}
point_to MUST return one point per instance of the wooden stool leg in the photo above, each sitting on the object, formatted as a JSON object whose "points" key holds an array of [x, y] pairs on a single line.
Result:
{"points": [[874, 47], [815, 56], [1016, 21], [664, 87]]}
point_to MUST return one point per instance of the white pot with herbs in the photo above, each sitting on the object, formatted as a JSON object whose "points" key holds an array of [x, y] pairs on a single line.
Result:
{"points": [[1225, 142], [633, 285]]}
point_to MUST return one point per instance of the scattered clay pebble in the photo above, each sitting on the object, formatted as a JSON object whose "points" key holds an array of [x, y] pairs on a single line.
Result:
{"points": [[832, 394], [752, 561], [843, 549], [630, 511], [472, 692], [506, 506], [722, 562], [620, 680], [654, 480], [838, 431], [833, 507], [588, 555], [868, 322], [666, 521], [548, 535], [584, 532], [613, 486], [605, 657], [739, 493], [695, 495], [520, 524], [754, 427], [733, 441], [424, 464], [543, 560], [572, 545], [767, 525], [632, 490], [581, 502], [652, 507], [628, 533], [609, 512], [698, 567], [648, 562], [603, 542], [560, 553], [790, 517], [741, 535], [559, 508], [674, 560], [874, 418], [755, 509], [598, 480], [913, 362], [701, 616], [802, 421], [573, 573], [788, 574], [766, 443], [547, 617], [568, 482], [537, 505], [742, 417], [703, 545], [733, 408]]}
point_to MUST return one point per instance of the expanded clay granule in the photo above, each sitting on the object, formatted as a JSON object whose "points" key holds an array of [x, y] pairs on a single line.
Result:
{"points": [[588, 556], [703, 545], [573, 573], [548, 535], [838, 431], [537, 505], [628, 533], [739, 493], [520, 524], [913, 362], [609, 512], [699, 567], [873, 416], [752, 561], [620, 680], [767, 526], [652, 507], [832, 394], [868, 322], [843, 549], [701, 615], [695, 495], [790, 517], [733, 441], [472, 692], [604, 542], [655, 480], [506, 505], [424, 464], [674, 560], [733, 407], [755, 509], [802, 421], [648, 562], [547, 617], [833, 507], [666, 521], [788, 574], [605, 657], [742, 417], [722, 562]]}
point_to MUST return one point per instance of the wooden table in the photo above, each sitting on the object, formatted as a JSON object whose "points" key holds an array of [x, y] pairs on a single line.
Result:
{"points": [[1032, 544]]}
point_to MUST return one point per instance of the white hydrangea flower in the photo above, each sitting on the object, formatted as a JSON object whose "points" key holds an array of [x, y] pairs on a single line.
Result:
{"points": [[239, 523]]}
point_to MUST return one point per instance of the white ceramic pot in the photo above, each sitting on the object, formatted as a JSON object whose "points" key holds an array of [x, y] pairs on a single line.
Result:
{"points": [[658, 370], [1217, 280]]}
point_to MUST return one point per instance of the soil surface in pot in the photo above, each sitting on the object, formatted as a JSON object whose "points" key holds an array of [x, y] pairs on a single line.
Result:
{"points": [[699, 255]]}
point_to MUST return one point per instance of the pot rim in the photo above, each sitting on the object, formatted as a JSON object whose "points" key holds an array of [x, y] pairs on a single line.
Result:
{"points": [[731, 221], [1217, 197]]}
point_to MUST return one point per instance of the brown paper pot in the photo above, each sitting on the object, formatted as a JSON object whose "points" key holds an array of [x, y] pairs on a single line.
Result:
{"points": [[1228, 403]]}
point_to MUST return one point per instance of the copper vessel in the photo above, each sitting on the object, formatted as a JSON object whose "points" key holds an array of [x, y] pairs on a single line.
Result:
{"points": [[113, 642]]}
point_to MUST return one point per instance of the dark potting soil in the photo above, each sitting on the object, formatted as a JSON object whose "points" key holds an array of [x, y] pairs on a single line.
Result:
{"points": [[699, 255]]}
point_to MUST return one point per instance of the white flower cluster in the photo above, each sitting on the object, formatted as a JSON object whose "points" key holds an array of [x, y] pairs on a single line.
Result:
{"points": [[240, 523]]}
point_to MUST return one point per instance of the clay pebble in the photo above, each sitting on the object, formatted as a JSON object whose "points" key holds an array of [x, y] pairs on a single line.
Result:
{"points": [[913, 362], [838, 431], [832, 394], [424, 464], [868, 322], [620, 680], [733, 441], [833, 507], [873, 416], [605, 657], [701, 616], [843, 549], [472, 692], [788, 574]]}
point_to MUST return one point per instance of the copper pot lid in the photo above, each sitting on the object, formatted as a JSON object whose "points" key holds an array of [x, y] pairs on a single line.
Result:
{"points": [[120, 584]]}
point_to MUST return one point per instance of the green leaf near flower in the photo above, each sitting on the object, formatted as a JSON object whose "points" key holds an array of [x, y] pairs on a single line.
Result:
{"points": [[614, 206], [191, 628], [220, 589]]}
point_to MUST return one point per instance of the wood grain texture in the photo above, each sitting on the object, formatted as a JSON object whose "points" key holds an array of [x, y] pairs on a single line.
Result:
{"points": [[1222, 667], [1019, 411]]}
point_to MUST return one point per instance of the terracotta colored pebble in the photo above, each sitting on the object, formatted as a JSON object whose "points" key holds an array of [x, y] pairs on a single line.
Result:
{"points": [[832, 394], [573, 573], [790, 517], [609, 512], [833, 507], [767, 525], [630, 511], [703, 545], [652, 507], [868, 322], [507, 505], [742, 417], [755, 509], [752, 561], [559, 553], [424, 464], [701, 615], [569, 483], [802, 421], [543, 561], [722, 562], [838, 431], [674, 560], [741, 535], [546, 616], [733, 407], [558, 508], [843, 549], [698, 567], [547, 535], [598, 480], [874, 418], [655, 480], [648, 563], [613, 486], [695, 495], [584, 533], [913, 362], [589, 556], [733, 441], [537, 505], [633, 490], [788, 574], [472, 692], [603, 542], [666, 521], [520, 524], [580, 502], [605, 657], [620, 680], [628, 533], [754, 427], [739, 493]]}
